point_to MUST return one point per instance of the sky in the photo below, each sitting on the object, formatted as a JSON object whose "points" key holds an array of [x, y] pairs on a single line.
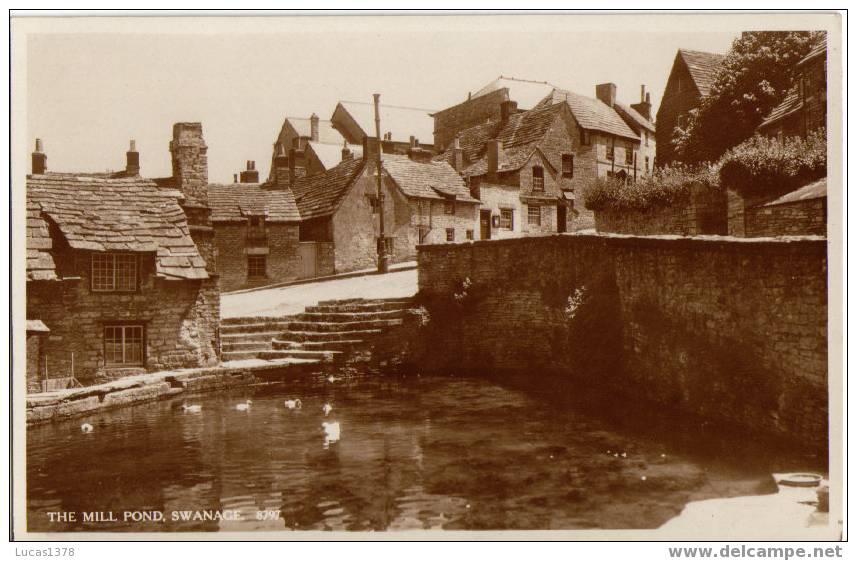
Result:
{"points": [[89, 93]]}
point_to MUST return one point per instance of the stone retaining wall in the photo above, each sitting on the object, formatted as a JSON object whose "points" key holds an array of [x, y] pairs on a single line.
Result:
{"points": [[732, 331]]}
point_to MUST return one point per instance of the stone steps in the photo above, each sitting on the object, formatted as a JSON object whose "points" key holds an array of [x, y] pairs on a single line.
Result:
{"points": [[359, 307], [227, 356], [349, 301], [318, 336], [259, 326], [344, 317], [342, 345], [252, 337], [339, 326], [255, 319], [243, 345], [322, 356]]}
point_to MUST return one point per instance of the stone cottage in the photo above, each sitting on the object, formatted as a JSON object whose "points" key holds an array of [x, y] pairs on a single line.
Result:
{"points": [[117, 278], [424, 202], [804, 108], [525, 166], [689, 82], [319, 142]]}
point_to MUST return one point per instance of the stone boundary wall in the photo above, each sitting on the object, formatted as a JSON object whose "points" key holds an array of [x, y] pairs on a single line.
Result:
{"points": [[749, 217], [705, 213], [733, 331]]}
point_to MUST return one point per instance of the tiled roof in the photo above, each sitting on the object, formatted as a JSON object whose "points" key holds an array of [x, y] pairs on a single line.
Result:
{"points": [[819, 49], [635, 116], [331, 154], [319, 194], [101, 214], [40, 262], [402, 122], [528, 93], [703, 68], [431, 180], [591, 113], [326, 132], [815, 190], [787, 106], [235, 202]]}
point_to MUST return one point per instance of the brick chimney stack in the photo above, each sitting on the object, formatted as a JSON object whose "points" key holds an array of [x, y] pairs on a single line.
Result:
{"points": [[313, 127], [606, 93], [457, 154], [507, 109], [251, 174], [644, 108], [190, 162], [132, 160], [40, 159]]}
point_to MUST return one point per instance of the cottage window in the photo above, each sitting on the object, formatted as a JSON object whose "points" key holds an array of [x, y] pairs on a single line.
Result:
{"points": [[448, 207], [507, 219], [114, 272], [568, 165], [257, 266], [123, 345], [534, 215], [629, 154], [450, 234], [610, 151], [469, 234], [538, 178]]}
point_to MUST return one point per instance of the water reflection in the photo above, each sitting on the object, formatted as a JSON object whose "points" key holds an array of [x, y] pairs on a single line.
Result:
{"points": [[406, 453]]}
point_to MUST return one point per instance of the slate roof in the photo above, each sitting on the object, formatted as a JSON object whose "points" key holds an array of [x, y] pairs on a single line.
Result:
{"points": [[702, 67], [102, 214], [326, 132], [235, 202], [591, 113], [814, 190], [319, 194], [331, 154], [427, 180], [402, 122]]}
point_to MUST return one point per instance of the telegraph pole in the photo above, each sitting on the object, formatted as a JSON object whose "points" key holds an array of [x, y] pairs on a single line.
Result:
{"points": [[383, 265]]}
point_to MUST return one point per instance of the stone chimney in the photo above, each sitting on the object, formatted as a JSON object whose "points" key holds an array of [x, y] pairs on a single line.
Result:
{"points": [[507, 109], [234, 178], [190, 162], [313, 127], [371, 146], [418, 154], [457, 154], [281, 173], [251, 174], [644, 108], [493, 157], [40, 159], [132, 160], [297, 168], [606, 93]]}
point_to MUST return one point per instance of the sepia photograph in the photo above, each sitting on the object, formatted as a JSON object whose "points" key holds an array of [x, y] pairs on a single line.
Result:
{"points": [[427, 276]]}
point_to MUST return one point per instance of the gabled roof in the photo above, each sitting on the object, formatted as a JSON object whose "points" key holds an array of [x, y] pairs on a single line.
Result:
{"points": [[107, 214], [326, 132], [331, 154], [528, 93], [591, 113], [814, 190], [635, 116], [319, 195], [702, 67], [238, 201], [402, 122], [428, 180], [786, 107]]}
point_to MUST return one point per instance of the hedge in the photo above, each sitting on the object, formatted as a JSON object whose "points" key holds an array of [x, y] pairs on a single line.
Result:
{"points": [[664, 187]]}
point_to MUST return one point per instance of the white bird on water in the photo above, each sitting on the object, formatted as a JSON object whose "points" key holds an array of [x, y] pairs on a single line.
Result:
{"points": [[327, 408], [293, 404], [333, 379], [86, 427], [191, 408], [243, 406], [331, 431]]}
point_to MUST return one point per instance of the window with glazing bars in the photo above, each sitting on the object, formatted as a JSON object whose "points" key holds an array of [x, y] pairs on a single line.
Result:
{"points": [[256, 266], [507, 219], [114, 272], [450, 234], [534, 215], [568, 165], [123, 345], [610, 151], [538, 178]]}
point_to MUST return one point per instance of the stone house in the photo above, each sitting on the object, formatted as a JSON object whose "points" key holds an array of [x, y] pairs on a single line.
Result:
{"points": [[401, 127], [689, 82], [525, 166], [316, 138], [120, 269], [804, 108], [424, 202]]}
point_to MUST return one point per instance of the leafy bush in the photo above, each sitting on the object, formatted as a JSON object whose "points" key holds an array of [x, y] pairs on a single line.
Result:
{"points": [[764, 167], [665, 187]]}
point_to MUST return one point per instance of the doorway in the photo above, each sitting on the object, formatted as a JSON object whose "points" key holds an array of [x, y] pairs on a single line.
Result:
{"points": [[561, 215], [484, 224]]}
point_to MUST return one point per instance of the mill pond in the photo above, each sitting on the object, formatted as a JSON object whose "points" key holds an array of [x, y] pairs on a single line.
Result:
{"points": [[413, 452]]}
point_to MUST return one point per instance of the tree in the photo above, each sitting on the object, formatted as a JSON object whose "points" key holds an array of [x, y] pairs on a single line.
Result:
{"points": [[755, 76]]}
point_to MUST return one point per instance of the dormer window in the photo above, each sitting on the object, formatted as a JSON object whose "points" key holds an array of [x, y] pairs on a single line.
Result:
{"points": [[538, 178], [114, 272]]}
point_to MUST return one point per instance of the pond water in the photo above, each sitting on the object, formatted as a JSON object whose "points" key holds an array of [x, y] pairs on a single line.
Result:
{"points": [[414, 453]]}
